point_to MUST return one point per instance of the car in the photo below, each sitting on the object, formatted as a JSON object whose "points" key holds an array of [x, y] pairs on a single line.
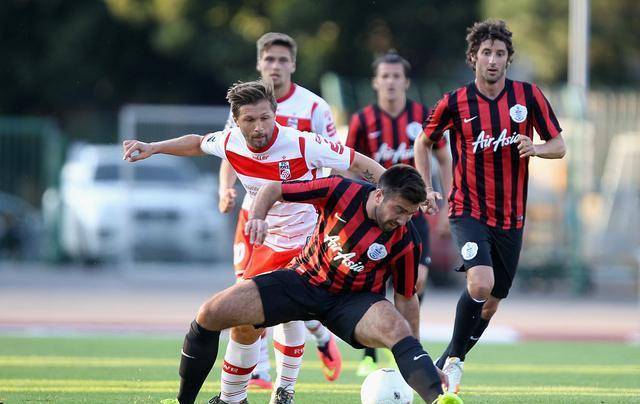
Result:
{"points": [[161, 208]]}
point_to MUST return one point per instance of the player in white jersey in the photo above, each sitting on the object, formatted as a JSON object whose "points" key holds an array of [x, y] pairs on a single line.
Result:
{"points": [[262, 151], [301, 109]]}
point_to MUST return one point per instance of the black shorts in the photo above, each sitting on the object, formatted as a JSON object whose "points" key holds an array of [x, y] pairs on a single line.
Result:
{"points": [[287, 296], [480, 244], [422, 226]]}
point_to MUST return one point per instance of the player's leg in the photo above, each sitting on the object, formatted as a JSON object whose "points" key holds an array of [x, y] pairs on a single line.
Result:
{"points": [[242, 251], [328, 352], [474, 240], [260, 377], [240, 359], [288, 340], [505, 254], [383, 325], [239, 304], [489, 308]]}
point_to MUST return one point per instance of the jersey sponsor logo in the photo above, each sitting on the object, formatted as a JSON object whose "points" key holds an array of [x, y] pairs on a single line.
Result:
{"points": [[469, 250], [485, 140], [260, 156], [333, 243], [518, 113], [376, 252], [413, 130], [467, 120], [387, 153], [374, 134], [339, 218], [292, 122], [238, 253], [285, 170]]}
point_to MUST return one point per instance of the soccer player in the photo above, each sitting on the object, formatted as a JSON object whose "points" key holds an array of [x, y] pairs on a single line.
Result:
{"points": [[261, 152], [385, 131], [301, 109], [363, 237], [491, 122]]}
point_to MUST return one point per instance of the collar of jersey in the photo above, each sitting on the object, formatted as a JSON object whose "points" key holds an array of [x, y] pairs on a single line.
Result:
{"points": [[288, 95], [507, 83], [268, 145]]}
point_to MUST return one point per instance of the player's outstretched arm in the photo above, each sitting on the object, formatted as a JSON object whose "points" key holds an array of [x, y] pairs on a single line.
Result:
{"points": [[256, 227], [366, 168], [409, 307], [422, 157], [188, 145]]}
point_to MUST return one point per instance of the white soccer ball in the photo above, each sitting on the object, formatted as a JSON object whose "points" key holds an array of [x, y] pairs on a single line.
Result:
{"points": [[385, 386]]}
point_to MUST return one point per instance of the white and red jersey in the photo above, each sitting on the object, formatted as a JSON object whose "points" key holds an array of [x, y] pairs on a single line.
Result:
{"points": [[290, 155], [303, 110]]}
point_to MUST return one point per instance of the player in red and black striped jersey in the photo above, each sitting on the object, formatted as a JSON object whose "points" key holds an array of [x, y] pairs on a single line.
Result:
{"points": [[363, 236], [491, 122], [385, 131], [349, 250]]}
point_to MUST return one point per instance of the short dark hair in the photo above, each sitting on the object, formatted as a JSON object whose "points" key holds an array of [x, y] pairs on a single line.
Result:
{"points": [[391, 57], [277, 38], [404, 181], [487, 29], [250, 93]]}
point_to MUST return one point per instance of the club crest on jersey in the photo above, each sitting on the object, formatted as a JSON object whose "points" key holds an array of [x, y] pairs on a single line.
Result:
{"points": [[285, 170], [518, 113], [292, 122], [469, 250], [376, 252], [413, 130]]}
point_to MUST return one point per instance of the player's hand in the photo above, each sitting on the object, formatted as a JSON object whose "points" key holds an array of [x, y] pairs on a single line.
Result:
{"points": [[135, 150], [256, 229], [430, 206], [227, 200], [443, 379], [526, 146]]}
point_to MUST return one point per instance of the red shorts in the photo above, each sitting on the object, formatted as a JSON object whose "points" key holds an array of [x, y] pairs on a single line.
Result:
{"points": [[249, 261]]}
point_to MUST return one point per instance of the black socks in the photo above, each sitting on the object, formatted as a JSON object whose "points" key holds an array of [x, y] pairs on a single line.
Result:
{"points": [[371, 352], [417, 368], [199, 352], [467, 317]]}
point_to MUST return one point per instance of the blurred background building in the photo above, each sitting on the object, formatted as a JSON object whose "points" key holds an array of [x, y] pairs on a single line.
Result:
{"points": [[76, 74]]}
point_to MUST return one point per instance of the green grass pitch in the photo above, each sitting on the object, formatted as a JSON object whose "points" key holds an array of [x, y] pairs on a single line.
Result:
{"points": [[144, 370]]}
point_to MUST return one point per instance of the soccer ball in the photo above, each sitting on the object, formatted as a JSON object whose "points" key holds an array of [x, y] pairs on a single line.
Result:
{"points": [[385, 386]]}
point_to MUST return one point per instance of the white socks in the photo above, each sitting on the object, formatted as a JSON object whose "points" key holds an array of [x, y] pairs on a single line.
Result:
{"points": [[288, 341], [319, 332], [239, 362]]}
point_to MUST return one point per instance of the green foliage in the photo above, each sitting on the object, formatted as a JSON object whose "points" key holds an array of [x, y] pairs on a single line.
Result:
{"points": [[541, 30], [90, 55]]}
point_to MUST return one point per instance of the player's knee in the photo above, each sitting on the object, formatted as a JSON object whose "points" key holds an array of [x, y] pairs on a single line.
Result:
{"points": [[209, 314], [480, 289]]}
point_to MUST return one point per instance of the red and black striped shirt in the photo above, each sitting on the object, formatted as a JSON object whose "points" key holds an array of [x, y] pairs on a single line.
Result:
{"points": [[489, 177], [348, 252], [385, 139]]}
